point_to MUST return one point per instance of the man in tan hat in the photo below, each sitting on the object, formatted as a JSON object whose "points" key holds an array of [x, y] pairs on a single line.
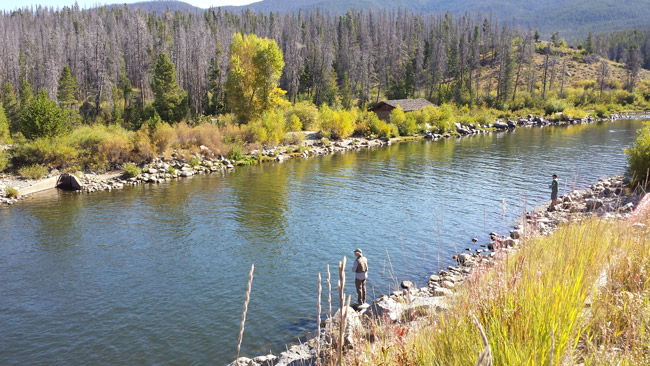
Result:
{"points": [[360, 269]]}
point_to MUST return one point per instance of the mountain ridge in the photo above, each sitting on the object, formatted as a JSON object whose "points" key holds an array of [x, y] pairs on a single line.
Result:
{"points": [[573, 19]]}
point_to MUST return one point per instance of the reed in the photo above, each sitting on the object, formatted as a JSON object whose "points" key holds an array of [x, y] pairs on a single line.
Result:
{"points": [[243, 315], [343, 308], [329, 299], [318, 312]]}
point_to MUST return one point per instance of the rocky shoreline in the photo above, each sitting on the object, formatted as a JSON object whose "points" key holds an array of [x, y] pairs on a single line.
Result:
{"points": [[608, 199], [163, 170]]}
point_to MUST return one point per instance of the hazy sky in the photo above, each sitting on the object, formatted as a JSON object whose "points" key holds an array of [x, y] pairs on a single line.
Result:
{"points": [[14, 4]]}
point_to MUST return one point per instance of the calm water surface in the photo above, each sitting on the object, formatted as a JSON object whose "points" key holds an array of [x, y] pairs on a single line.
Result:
{"points": [[156, 274]]}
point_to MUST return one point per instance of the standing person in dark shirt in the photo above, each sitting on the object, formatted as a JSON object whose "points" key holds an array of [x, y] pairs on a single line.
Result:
{"points": [[554, 187], [360, 269]]}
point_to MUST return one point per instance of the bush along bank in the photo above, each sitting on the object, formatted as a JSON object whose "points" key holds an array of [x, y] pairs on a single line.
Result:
{"points": [[411, 307], [185, 164]]}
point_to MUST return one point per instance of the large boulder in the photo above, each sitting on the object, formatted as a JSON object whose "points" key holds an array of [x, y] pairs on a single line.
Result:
{"points": [[593, 204], [500, 125], [352, 326], [396, 310]]}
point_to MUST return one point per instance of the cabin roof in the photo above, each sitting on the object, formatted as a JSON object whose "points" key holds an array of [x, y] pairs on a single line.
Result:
{"points": [[407, 105]]}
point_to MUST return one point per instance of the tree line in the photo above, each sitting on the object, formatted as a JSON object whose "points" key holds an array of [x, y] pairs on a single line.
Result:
{"points": [[121, 65]]}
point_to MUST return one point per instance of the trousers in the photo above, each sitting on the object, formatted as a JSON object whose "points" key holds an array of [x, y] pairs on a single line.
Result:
{"points": [[361, 290]]}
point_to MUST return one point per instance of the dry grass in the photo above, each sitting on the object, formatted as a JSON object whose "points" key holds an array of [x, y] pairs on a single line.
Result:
{"points": [[540, 305]]}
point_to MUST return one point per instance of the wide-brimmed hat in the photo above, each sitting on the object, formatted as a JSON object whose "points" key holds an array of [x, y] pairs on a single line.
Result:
{"points": [[358, 251]]}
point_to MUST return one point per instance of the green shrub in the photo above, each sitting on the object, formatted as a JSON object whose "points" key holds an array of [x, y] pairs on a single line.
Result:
{"points": [[601, 111], [194, 161], [11, 192], [554, 105], [293, 123], [405, 122], [269, 128], [236, 153], [382, 129], [444, 118], [294, 138], [131, 170], [4, 160], [44, 118], [36, 171], [339, 124], [638, 156], [306, 112], [363, 121], [171, 170]]}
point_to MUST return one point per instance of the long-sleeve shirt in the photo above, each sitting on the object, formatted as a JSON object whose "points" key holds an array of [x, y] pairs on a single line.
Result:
{"points": [[360, 275]]}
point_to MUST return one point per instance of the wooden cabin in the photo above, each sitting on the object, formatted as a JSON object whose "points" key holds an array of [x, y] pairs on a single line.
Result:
{"points": [[384, 108]]}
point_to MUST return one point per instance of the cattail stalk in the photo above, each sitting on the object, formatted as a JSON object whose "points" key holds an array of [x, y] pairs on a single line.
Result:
{"points": [[320, 289], [243, 316], [343, 308], [330, 331]]}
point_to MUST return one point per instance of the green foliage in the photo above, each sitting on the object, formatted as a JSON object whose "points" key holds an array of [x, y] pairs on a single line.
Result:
{"points": [[67, 91], [4, 126], [383, 129], [131, 170], [339, 124], [442, 118], [11, 106], [170, 101], [553, 106], [405, 123], [43, 118], [36, 171], [4, 160], [11, 192], [306, 112], [236, 153], [255, 68], [293, 123], [26, 95], [573, 113], [638, 156], [269, 128], [601, 111], [194, 161]]}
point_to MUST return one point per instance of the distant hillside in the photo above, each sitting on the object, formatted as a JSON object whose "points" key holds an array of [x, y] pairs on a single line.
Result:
{"points": [[572, 18], [161, 6]]}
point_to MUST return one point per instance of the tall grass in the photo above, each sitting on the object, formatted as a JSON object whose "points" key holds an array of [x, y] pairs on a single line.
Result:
{"points": [[541, 305]]}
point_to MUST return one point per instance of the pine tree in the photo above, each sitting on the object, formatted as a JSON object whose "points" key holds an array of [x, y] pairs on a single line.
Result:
{"points": [[346, 92], [43, 118], [4, 126], [26, 95], [67, 89], [589, 44], [170, 101], [11, 106]]}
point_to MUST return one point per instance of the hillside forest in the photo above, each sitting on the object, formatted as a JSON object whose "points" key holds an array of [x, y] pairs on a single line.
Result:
{"points": [[126, 69]]}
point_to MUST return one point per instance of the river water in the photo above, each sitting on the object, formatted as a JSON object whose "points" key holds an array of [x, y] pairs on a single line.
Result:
{"points": [[156, 274]]}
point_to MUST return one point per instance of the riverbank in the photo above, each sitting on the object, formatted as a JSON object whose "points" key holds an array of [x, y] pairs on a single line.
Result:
{"points": [[181, 165], [412, 308]]}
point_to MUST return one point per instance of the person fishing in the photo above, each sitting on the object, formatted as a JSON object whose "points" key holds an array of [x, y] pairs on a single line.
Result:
{"points": [[360, 269], [554, 188]]}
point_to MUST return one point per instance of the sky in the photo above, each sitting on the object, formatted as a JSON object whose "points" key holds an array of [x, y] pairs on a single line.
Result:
{"points": [[16, 4]]}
